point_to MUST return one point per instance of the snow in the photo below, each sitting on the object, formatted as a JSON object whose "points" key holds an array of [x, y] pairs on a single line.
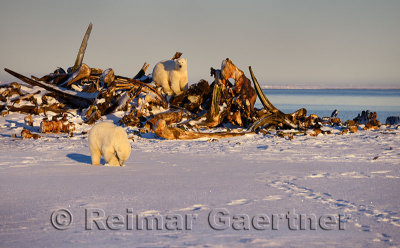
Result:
{"points": [[354, 175]]}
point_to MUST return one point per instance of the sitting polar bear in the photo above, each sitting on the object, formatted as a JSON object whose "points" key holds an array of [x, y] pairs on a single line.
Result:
{"points": [[110, 141], [171, 75]]}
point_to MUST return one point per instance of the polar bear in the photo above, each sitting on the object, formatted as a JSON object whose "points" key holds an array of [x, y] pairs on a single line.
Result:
{"points": [[171, 75], [110, 141]]}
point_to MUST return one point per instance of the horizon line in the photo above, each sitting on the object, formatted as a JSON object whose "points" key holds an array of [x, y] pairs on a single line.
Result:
{"points": [[310, 86], [330, 87]]}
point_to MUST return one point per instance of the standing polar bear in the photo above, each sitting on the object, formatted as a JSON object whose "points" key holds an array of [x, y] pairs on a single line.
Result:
{"points": [[110, 141], [171, 75]]}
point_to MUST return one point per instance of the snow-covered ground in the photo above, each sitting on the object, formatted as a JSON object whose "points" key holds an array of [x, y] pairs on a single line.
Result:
{"points": [[355, 175]]}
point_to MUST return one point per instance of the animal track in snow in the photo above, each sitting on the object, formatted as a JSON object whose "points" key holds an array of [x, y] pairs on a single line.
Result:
{"points": [[149, 212], [194, 207], [292, 189], [272, 198], [354, 174], [239, 202], [383, 237]]}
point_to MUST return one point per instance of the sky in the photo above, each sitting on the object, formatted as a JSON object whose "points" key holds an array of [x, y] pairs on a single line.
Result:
{"points": [[288, 42]]}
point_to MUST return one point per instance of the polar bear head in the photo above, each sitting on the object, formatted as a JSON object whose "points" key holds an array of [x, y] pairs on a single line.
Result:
{"points": [[181, 64]]}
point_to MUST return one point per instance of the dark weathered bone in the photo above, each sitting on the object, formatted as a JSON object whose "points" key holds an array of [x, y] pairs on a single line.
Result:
{"points": [[216, 95], [25, 96], [142, 71], [243, 92], [215, 114], [272, 119], [95, 115], [392, 120], [107, 77], [164, 131], [9, 93], [52, 78], [95, 71], [59, 70], [235, 118], [82, 49], [135, 94], [264, 100], [33, 109], [132, 119], [301, 113], [82, 72], [122, 80], [168, 117], [28, 120], [56, 125], [275, 116], [177, 55], [192, 99], [26, 134], [73, 98], [124, 100]]}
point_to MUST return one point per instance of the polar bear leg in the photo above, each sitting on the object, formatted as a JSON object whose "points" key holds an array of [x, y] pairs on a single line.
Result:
{"points": [[109, 156], [176, 88], [183, 85], [122, 157], [166, 88], [96, 155]]}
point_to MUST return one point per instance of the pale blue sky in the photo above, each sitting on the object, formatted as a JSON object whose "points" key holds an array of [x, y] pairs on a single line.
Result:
{"points": [[288, 42]]}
